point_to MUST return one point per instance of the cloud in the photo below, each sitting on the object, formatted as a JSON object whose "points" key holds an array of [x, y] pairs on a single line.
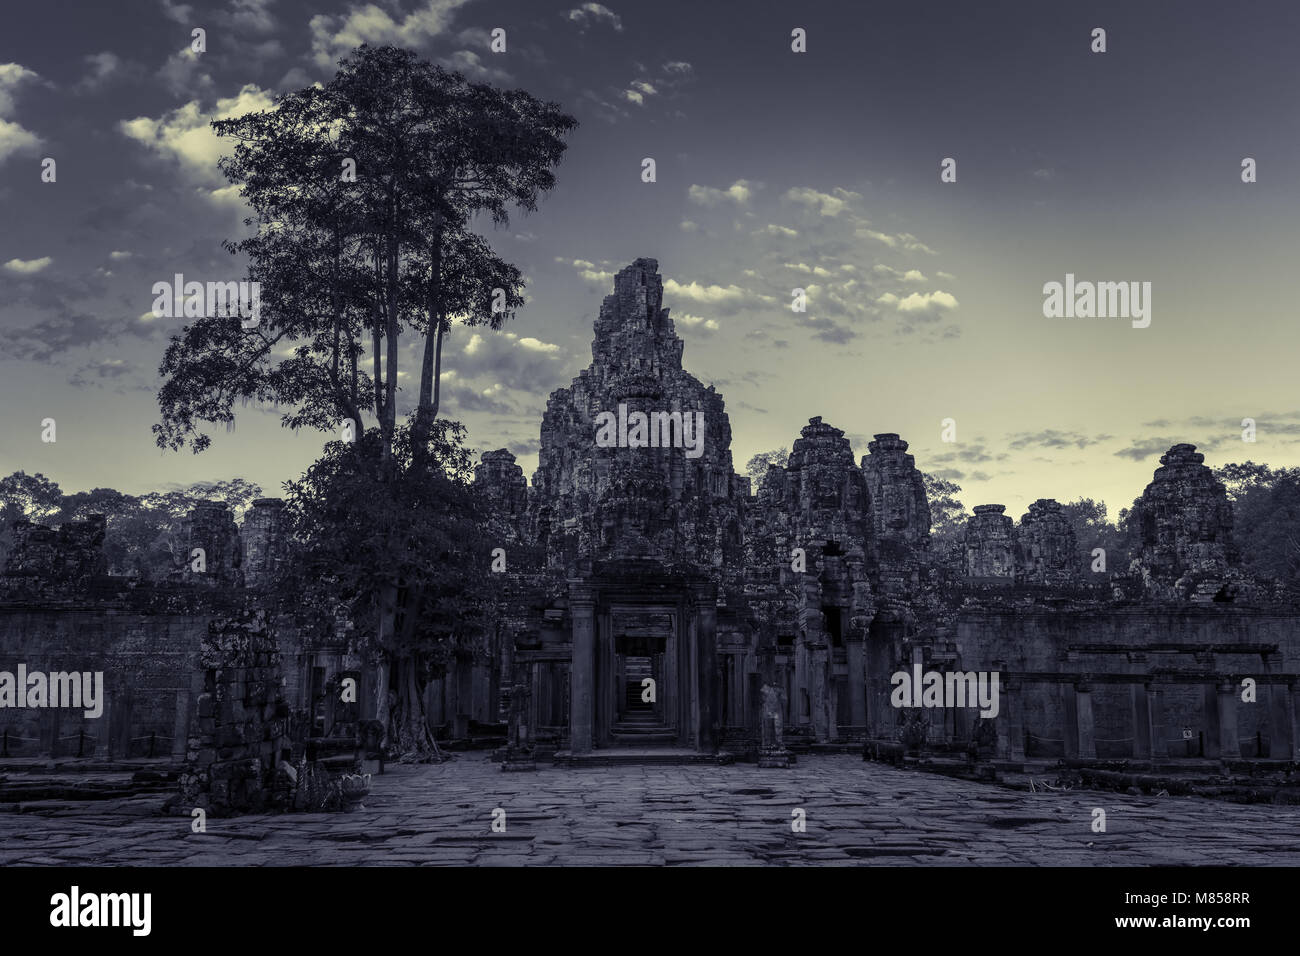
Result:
{"points": [[828, 330], [592, 13], [12, 75], [469, 63], [100, 68], [333, 36], [726, 299], [588, 271], [696, 322], [524, 446], [912, 244], [65, 331], [879, 236], [463, 398], [527, 364], [1052, 438], [253, 16], [183, 74], [118, 256], [738, 192], [826, 204], [666, 84], [27, 267], [105, 371], [973, 454], [13, 137], [185, 136], [818, 271], [1146, 448], [771, 229], [927, 305], [176, 12]]}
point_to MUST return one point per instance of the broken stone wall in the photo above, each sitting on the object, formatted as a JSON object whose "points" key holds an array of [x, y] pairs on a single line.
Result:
{"points": [[49, 560], [242, 726]]}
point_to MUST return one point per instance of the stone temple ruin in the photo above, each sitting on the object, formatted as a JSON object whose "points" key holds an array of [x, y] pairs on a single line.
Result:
{"points": [[766, 621]]}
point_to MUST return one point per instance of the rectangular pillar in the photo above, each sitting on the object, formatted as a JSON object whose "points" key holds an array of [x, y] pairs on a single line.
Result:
{"points": [[819, 654], [1159, 724], [1210, 719], [802, 703], [1141, 721], [754, 711], [669, 693], [706, 625], [1280, 743], [1010, 722], [120, 726], [1293, 716], [181, 723], [1087, 730], [857, 683], [1229, 744], [581, 672], [1070, 725]]}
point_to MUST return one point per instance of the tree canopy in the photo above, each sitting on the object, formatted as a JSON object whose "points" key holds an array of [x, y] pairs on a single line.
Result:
{"points": [[364, 192]]}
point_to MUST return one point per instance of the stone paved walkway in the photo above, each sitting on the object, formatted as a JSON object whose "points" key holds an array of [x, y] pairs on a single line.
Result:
{"points": [[857, 813]]}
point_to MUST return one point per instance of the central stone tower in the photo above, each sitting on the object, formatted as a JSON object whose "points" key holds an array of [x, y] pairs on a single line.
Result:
{"points": [[593, 502]]}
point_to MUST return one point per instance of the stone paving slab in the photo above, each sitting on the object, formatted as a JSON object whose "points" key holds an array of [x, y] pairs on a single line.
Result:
{"points": [[857, 814]]}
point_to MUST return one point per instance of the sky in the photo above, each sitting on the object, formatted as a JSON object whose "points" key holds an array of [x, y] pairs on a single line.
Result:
{"points": [[775, 170]]}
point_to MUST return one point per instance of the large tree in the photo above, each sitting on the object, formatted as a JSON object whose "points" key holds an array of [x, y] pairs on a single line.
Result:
{"points": [[365, 192], [350, 264]]}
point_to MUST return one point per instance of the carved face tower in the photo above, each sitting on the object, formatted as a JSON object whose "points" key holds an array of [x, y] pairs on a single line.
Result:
{"points": [[635, 497]]}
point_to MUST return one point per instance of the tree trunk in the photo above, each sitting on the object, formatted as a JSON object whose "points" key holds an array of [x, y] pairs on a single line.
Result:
{"points": [[387, 621], [431, 367], [413, 740]]}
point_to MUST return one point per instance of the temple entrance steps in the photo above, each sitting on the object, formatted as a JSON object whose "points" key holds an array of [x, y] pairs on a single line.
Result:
{"points": [[639, 723], [648, 756]]}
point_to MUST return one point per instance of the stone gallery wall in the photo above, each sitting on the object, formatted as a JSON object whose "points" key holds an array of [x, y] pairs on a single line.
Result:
{"points": [[150, 667]]}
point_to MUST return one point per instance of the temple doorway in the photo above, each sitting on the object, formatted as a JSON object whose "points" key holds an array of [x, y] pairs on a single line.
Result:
{"points": [[639, 679]]}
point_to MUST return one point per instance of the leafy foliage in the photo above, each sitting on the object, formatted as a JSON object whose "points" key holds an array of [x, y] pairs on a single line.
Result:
{"points": [[402, 546], [1266, 518], [757, 466], [1093, 529], [348, 265], [947, 514]]}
